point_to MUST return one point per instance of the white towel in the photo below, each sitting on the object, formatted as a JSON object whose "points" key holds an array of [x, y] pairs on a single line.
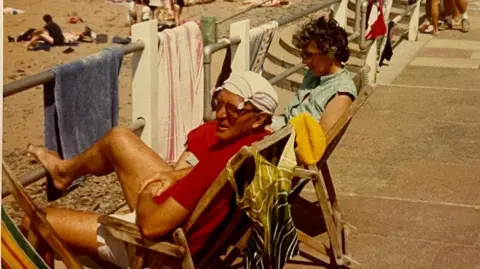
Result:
{"points": [[180, 95], [260, 39]]}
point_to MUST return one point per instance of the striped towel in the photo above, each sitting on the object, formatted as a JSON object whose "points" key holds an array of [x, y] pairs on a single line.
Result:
{"points": [[260, 39], [274, 238], [17, 253], [180, 93]]}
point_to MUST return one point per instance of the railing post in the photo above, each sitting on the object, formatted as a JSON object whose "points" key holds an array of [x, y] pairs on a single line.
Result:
{"points": [[340, 12], [241, 52], [414, 21], [371, 61], [145, 79]]}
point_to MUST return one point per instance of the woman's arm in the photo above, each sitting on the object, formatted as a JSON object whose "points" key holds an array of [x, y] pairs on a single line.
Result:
{"points": [[334, 110]]}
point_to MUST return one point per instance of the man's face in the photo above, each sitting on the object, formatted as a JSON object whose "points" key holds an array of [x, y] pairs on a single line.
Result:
{"points": [[233, 122]]}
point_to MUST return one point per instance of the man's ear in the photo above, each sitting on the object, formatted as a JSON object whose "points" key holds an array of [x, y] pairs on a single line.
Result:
{"points": [[260, 120]]}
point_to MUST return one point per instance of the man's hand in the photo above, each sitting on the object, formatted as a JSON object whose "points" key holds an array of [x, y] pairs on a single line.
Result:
{"points": [[156, 184]]}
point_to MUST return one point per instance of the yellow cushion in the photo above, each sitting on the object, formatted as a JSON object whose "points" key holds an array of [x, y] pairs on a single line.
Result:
{"points": [[311, 142]]}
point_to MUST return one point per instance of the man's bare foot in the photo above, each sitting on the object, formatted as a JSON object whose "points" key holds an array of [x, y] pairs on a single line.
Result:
{"points": [[51, 161]]}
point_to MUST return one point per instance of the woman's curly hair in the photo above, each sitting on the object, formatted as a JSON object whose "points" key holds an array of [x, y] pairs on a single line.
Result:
{"points": [[329, 37]]}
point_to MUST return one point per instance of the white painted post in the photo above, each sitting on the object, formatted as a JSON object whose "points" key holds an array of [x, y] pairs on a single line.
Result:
{"points": [[340, 12], [371, 61], [145, 79], [414, 21], [241, 52]]}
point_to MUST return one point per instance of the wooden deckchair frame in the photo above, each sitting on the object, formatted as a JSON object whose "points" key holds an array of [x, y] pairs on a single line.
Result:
{"points": [[38, 223], [319, 174]]}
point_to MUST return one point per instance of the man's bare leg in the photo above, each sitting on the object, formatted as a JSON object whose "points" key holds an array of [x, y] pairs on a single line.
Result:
{"points": [[120, 150], [448, 11], [78, 230], [41, 36], [462, 8]]}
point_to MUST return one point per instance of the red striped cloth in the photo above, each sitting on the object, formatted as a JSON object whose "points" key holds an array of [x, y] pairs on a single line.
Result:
{"points": [[180, 89]]}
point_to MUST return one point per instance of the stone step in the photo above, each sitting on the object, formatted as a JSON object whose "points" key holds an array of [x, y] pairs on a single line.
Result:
{"points": [[270, 70], [281, 57]]}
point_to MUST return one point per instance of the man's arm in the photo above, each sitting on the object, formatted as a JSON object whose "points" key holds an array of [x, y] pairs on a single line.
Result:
{"points": [[334, 110]]}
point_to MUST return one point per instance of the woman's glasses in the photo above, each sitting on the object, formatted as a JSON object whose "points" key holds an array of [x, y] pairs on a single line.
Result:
{"points": [[307, 55]]}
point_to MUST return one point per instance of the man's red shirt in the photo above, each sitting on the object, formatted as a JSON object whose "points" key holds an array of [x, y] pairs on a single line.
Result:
{"points": [[213, 156]]}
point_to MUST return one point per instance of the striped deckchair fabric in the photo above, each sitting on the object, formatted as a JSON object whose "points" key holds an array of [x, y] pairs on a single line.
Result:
{"points": [[273, 240], [17, 253]]}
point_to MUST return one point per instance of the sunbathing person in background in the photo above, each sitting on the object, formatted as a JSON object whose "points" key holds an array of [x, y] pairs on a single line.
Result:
{"points": [[327, 89], [51, 33], [162, 197]]}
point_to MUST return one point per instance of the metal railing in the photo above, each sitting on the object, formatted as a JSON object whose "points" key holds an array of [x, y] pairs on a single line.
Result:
{"points": [[364, 44], [47, 76]]}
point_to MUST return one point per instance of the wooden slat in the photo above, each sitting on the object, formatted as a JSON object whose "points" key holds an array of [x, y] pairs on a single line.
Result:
{"points": [[38, 219], [181, 240], [129, 232]]}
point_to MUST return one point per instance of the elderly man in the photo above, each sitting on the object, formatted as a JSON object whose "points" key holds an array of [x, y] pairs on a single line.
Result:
{"points": [[160, 196]]}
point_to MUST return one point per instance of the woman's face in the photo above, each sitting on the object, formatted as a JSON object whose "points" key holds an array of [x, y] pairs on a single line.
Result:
{"points": [[313, 58], [233, 122]]}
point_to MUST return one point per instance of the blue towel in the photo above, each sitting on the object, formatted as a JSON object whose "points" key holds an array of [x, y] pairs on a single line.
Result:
{"points": [[81, 105]]}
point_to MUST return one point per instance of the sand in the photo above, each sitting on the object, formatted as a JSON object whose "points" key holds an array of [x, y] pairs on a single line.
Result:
{"points": [[23, 113]]}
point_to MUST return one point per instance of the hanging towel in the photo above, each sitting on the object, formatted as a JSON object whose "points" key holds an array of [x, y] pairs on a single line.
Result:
{"points": [[376, 21], [388, 50], [260, 39], [81, 105], [273, 240], [180, 92], [311, 142]]}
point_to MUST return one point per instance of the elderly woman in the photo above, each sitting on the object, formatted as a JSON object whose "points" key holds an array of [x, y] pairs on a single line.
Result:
{"points": [[327, 89], [160, 196]]}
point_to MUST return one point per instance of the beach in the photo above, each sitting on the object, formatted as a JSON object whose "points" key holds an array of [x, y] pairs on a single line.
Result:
{"points": [[23, 113]]}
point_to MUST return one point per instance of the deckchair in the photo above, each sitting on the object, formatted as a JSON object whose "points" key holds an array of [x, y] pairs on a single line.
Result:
{"points": [[338, 253], [271, 148], [319, 174], [16, 249]]}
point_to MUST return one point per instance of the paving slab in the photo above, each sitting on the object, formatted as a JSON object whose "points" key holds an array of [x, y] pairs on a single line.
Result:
{"points": [[431, 182], [475, 54], [402, 55], [446, 62], [464, 106], [360, 175], [456, 34], [445, 53], [417, 101], [374, 251], [453, 257], [412, 220], [446, 142], [438, 77], [454, 44]]}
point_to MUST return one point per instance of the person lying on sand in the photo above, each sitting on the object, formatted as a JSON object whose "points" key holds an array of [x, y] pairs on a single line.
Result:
{"points": [[51, 34], [160, 196]]}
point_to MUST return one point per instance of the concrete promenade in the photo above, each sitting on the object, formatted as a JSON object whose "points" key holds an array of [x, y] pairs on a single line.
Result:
{"points": [[407, 171]]}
